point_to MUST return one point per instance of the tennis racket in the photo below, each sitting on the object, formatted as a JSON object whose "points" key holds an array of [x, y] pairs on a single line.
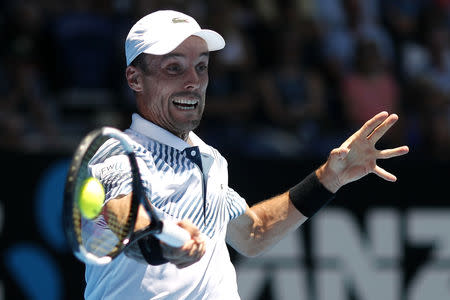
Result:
{"points": [[107, 155]]}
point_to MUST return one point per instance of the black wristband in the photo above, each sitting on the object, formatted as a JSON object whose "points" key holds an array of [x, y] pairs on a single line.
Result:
{"points": [[309, 195], [151, 251]]}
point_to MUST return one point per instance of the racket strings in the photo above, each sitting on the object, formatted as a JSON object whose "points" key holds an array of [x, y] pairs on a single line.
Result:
{"points": [[106, 234], [120, 228]]}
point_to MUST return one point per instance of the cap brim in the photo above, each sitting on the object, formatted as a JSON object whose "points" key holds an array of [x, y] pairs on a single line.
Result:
{"points": [[213, 40]]}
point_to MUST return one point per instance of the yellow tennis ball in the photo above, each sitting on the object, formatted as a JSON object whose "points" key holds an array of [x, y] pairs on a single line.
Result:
{"points": [[91, 197]]}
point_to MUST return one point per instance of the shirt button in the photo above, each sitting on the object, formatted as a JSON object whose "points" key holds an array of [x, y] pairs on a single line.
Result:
{"points": [[193, 153]]}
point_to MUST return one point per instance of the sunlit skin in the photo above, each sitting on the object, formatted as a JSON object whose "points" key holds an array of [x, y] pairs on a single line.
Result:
{"points": [[170, 92], [267, 222], [180, 75]]}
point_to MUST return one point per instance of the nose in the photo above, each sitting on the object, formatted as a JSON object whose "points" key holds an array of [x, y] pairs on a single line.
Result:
{"points": [[192, 79]]}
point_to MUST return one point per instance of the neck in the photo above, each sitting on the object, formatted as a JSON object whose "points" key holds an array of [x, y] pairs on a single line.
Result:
{"points": [[188, 140]]}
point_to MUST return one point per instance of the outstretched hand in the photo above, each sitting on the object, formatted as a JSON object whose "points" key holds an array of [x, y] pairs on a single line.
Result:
{"points": [[357, 156]]}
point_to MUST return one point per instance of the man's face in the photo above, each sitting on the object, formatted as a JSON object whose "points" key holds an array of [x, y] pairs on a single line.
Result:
{"points": [[173, 90]]}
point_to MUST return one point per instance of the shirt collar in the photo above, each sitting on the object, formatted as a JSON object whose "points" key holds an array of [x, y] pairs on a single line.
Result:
{"points": [[161, 135]]}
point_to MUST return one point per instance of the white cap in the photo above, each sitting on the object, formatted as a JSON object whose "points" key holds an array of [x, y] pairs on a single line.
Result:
{"points": [[162, 31]]}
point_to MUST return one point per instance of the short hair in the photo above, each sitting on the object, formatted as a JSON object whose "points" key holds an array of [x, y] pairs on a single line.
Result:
{"points": [[140, 62]]}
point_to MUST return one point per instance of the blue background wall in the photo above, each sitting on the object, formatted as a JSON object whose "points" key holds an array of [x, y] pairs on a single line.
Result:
{"points": [[36, 262]]}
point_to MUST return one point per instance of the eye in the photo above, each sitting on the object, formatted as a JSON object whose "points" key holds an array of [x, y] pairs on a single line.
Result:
{"points": [[173, 68], [202, 68]]}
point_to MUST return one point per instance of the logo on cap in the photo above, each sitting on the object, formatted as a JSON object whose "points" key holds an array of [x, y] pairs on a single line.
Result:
{"points": [[179, 20]]}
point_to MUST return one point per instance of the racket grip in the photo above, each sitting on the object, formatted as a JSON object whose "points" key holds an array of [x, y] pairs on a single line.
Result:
{"points": [[173, 235]]}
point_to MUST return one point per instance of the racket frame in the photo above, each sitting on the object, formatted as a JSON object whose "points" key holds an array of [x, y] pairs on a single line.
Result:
{"points": [[138, 197]]}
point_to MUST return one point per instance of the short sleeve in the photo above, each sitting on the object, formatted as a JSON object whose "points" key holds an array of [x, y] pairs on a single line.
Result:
{"points": [[235, 203]]}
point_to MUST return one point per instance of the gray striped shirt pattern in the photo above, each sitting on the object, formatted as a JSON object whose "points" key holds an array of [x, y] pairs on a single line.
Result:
{"points": [[173, 182]]}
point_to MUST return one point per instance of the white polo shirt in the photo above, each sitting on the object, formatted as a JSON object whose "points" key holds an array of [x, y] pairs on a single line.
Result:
{"points": [[180, 190]]}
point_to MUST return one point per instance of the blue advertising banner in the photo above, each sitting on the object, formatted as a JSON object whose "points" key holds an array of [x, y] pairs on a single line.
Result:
{"points": [[376, 240]]}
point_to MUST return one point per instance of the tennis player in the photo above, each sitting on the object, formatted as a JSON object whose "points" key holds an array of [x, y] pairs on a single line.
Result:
{"points": [[167, 56]]}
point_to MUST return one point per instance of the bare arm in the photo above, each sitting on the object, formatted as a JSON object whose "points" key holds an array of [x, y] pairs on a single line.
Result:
{"points": [[266, 223], [118, 209], [263, 225]]}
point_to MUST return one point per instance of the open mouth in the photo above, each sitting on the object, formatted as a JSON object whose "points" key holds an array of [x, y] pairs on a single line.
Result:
{"points": [[185, 104]]}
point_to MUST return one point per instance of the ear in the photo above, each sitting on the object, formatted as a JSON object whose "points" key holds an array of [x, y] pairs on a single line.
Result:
{"points": [[134, 78]]}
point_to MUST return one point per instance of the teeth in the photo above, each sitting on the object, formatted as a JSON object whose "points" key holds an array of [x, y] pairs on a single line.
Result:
{"points": [[186, 107], [186, 101]]}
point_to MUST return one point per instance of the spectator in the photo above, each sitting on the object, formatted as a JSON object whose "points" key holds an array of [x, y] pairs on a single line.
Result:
{"points": [[292, 100], [437, 72], [78, 33], [85, 80], [340, 42], [230, 95], [368, 88], [434, 106], [28, 117], [401, 18]]}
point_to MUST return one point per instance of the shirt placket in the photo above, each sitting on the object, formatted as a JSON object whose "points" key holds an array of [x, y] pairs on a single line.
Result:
{"points": [[194, 155]]}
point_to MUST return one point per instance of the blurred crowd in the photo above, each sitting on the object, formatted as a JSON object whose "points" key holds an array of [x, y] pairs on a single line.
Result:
{"points": [[295, 78]]}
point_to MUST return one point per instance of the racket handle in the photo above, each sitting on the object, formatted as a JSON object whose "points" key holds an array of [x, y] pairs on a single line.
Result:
{"points": [[173, 235]]}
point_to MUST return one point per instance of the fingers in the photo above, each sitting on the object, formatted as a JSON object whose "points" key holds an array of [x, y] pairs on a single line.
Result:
{"points": [[357, 156], [371, 124], [191, 252], [381, 129], [185, 256], [384, 174], [389, 153], [191, 228], [385, 154]]}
